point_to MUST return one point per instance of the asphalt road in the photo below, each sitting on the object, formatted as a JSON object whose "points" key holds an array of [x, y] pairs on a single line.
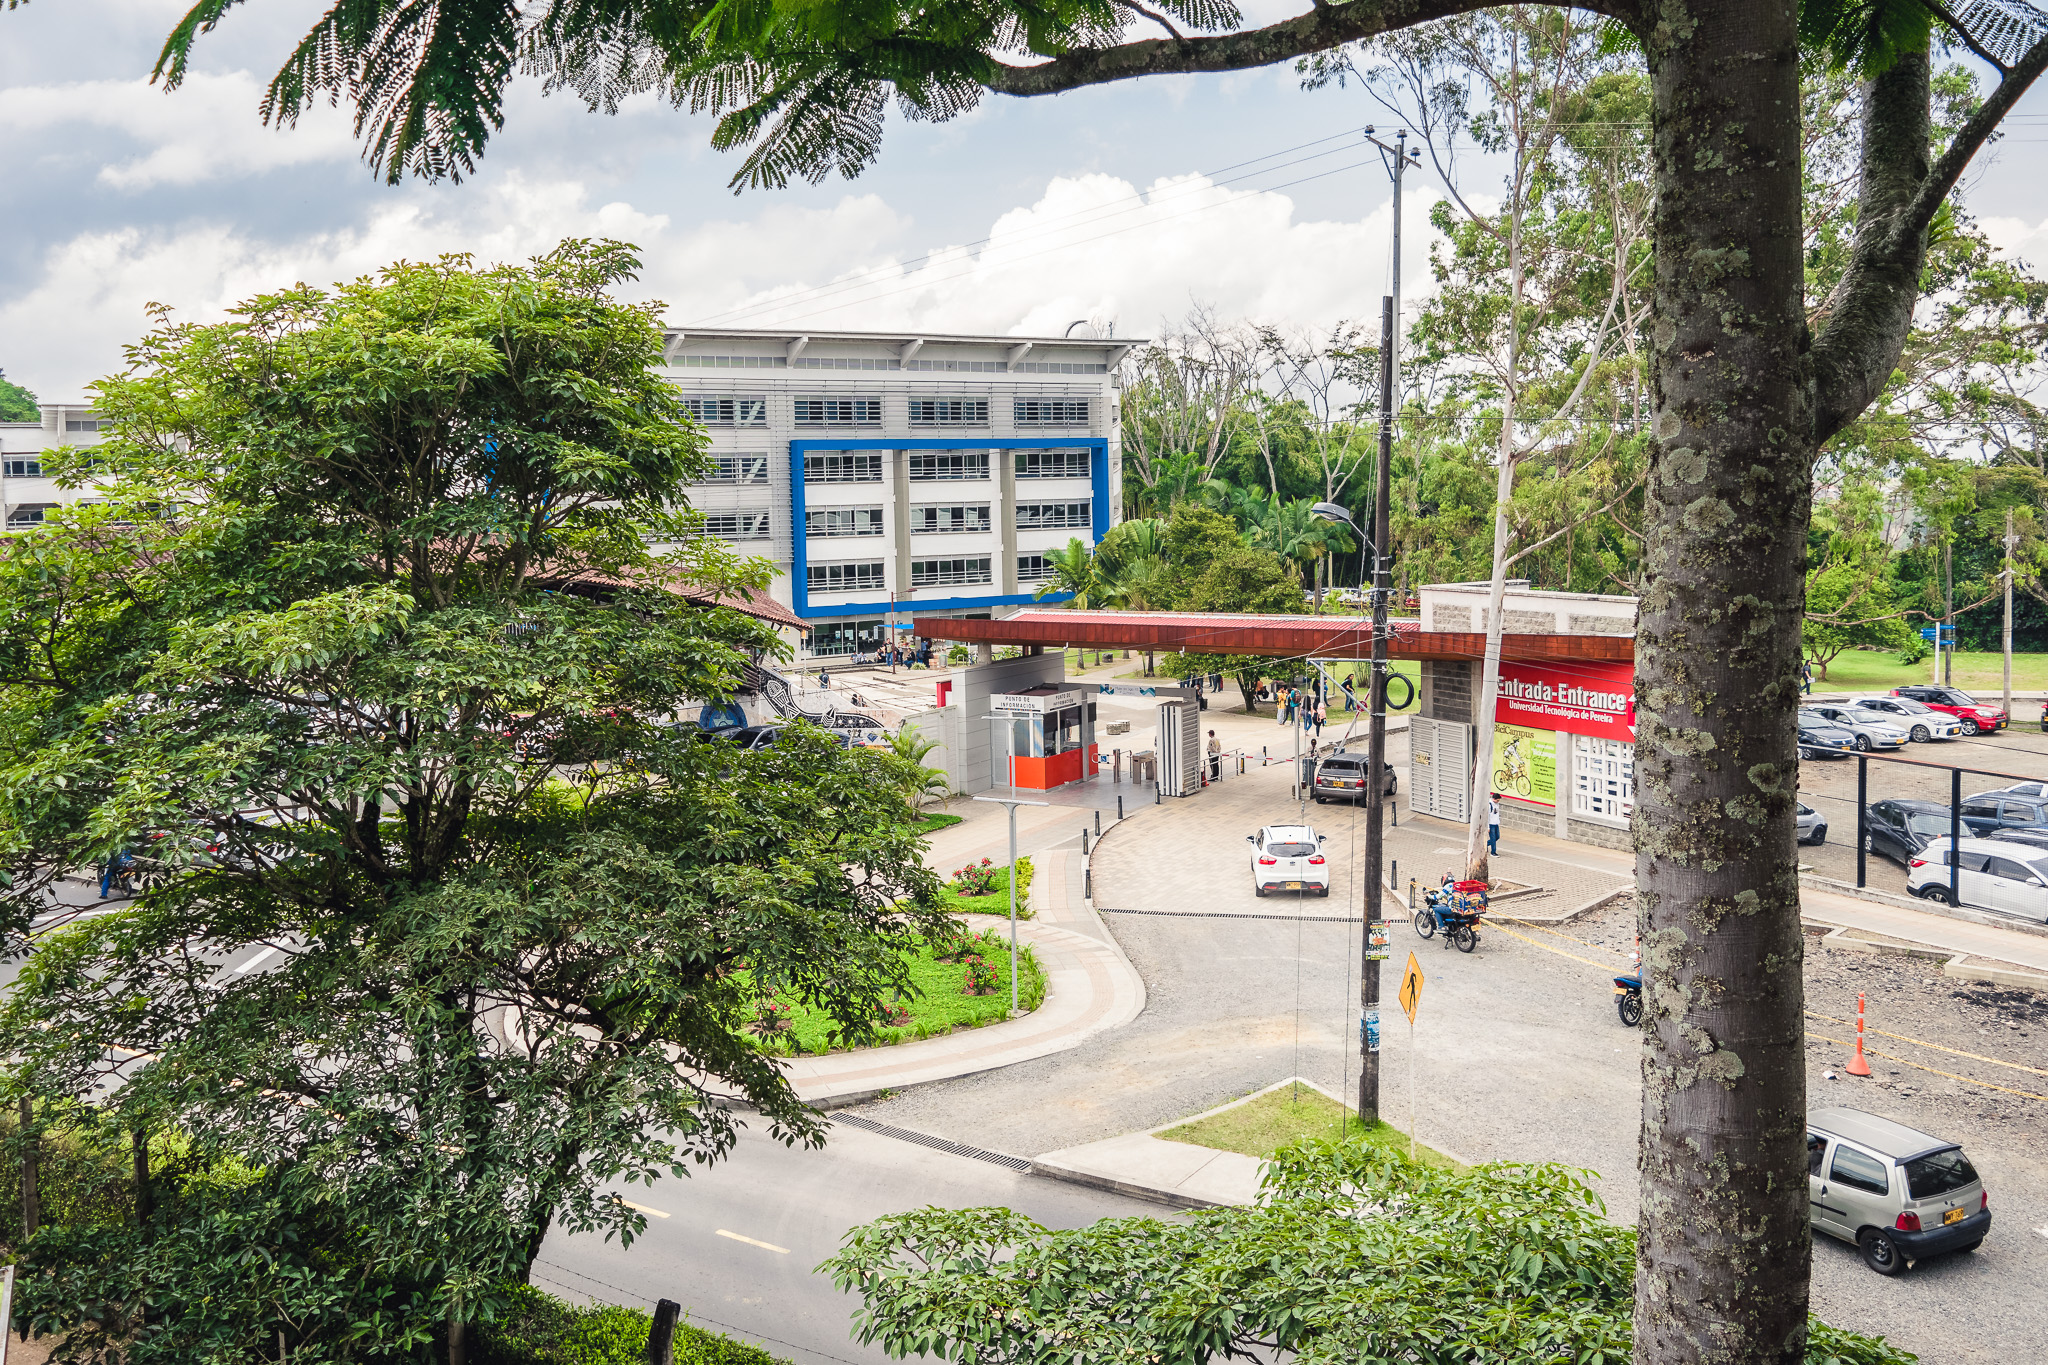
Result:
{"points": [[742, 1239]]}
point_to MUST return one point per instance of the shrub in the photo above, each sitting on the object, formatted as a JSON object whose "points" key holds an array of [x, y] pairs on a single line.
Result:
{"points": [[975, 879], [979, 978], [541, 1329]]}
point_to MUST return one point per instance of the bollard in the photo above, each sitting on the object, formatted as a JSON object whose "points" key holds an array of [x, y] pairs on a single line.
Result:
{"points": [[1156, 789], [1411, 893], [1394, 872], [661, 1333], [1857, 1066], [1119, 805], [1084, 841], [1087, 883], [1098, 824]]}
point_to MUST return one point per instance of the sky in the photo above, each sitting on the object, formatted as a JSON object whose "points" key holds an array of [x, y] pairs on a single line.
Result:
{"points": [[1125, 206]]}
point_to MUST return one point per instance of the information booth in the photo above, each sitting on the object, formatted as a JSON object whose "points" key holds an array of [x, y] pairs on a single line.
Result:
{"points": [[1043, 736]]}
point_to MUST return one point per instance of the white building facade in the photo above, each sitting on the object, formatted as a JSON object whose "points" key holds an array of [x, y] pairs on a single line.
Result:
{"points": [[27, 491], [883, 473]]}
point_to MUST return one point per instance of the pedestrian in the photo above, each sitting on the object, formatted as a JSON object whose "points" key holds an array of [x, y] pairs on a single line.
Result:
{"points": [[1322, 714], [1350, 696], [1493, 825], [1806, 678], [1283, 705], [824, 681], [1215, 757]]}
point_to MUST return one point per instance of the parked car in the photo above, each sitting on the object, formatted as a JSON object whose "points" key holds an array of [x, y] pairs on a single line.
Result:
{"points": [[1288, 858], [1870, 729], [1812, 825], [1898, 1194], [1976, 717], [2019, 789], [1899, 829], [1341, 777], [1990, 875], [746, 736], [1988, 812], [1823, 739], [1922, 721], [2032, 838]]}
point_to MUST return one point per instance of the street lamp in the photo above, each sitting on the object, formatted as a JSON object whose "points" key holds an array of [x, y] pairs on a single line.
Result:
{"points": [[1012, 803]]}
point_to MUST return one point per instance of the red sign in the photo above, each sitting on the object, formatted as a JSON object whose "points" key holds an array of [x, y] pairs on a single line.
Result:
{"points": [[1577, 698]]}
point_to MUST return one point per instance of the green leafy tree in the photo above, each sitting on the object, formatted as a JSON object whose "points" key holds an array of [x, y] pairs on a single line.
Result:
{"points": [[919, 782], [16, 403], [1074, 574], [367, 562]]}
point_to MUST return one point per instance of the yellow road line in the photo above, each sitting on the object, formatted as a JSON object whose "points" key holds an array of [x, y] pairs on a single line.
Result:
{"points": [[1873, 1052], [1603, 966], [1952, 1051], [765, 1246], [641, 1208]]}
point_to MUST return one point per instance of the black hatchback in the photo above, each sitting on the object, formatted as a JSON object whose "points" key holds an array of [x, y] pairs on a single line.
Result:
{"points": [[1899, 829]]}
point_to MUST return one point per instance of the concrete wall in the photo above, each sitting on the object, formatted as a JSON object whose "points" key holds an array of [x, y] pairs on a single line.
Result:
{"points": [[1447, 689]]}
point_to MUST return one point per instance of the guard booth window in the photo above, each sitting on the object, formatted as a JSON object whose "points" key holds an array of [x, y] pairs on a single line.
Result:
{"points": [[1063, 731]]}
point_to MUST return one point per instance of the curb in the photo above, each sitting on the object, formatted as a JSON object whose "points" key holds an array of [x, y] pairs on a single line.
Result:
{"points": [[1925, 907], [1053, 1170], [1956, 965]]}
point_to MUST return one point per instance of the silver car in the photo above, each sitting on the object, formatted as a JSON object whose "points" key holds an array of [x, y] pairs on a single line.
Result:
{"points": [[1812, 825], [1897, 1194], [1872, 729], [1921, 721]]}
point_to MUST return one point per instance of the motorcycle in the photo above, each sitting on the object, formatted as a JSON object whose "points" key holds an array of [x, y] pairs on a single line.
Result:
{"points": [[1453, 909], [1628, 991]]}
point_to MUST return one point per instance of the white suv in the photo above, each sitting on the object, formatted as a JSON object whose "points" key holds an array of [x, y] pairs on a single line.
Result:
{"points": [[1289, 858], [1920, 721], [1995, 874]]}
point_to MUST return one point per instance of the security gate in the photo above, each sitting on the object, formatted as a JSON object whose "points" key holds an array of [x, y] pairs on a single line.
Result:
{"points": [[1440, 768]]}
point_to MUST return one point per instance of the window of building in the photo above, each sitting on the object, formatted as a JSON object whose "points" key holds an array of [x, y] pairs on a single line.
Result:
{"points": [[738, 469], [1033, 569], [935, 573], [829, 638], [1603, 778], [843, 466], [932, 465], [727, 412], [746, 523], [843, 521], [1051, 412], [838, 412], [81, 424], [925, 521], [961, 366], [1052, 464], [733, 362], [24, 467], [828, 362], [29, 513], [1060, 367], [949, 412], [1040, 516], [863, 577]]}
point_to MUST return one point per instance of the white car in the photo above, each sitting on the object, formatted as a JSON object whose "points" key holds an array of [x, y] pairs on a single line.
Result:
{"points": [[1872, 729], [1289, 858], [1921, 721], [1995, 875]]}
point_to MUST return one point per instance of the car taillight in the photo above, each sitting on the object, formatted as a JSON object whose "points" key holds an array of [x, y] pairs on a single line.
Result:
{"points": [[1907, 1222], [1316, 861], [1268, 862], [1983, 1200], [1917, 862]]}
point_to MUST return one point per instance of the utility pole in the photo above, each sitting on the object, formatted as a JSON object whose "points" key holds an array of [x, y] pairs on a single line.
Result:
{"points": [[2009, 540], [1945, 675]]}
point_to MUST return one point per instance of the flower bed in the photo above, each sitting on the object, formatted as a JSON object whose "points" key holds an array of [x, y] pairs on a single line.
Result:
{"points": [[984, 889], [958, 983]]}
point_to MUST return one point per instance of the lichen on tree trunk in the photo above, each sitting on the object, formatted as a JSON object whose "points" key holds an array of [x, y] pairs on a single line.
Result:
{"points": [[1716, 768]]}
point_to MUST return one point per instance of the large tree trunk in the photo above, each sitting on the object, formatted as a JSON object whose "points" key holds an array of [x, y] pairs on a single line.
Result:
{"points": [[1722, 1260]]}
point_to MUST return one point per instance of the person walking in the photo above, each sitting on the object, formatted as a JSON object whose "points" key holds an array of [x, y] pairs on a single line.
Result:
{"points": [[1285, 697], [1493, 825], [1322, 715], [1215, 757], [1806, 679], [1350, 695]]}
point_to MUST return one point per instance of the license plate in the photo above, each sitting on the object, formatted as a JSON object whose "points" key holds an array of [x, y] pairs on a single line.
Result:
{"points": [[1955, 1215], [1293, 886], [1621, 990]]}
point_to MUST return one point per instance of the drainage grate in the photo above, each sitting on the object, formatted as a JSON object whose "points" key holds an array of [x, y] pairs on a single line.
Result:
{"points": [[937, 1144]]}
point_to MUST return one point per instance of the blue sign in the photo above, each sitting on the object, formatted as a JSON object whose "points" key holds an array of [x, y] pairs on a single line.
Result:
{"points": [[1948, 633]]}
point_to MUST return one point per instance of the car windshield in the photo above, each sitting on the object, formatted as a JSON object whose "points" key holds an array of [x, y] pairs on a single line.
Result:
{"points": [[1927, 824], [1290, 850], [1939, 1173], [1907, 703], [1952, 697]]}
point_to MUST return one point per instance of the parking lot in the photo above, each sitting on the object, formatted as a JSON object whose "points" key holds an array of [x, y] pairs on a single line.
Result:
{"points": [[1829, 786]]}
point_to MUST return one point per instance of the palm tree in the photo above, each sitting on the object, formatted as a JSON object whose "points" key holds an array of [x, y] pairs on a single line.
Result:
{"points": [[1073, 572], [919, 783]]}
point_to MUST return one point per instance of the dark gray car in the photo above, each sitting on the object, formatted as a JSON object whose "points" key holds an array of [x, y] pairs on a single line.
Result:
{"points": [[1341, 777]]}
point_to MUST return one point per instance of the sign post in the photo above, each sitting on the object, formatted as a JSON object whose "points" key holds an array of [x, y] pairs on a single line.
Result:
{"points": [[1411, 998], [1011, 803]]}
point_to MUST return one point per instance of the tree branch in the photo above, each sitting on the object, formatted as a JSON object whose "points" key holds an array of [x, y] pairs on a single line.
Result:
{"points": [[1941, 12], [1322, 28], [1971, 137]]}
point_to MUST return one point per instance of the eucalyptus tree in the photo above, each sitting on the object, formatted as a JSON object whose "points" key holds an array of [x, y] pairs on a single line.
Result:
{"points": [[1743, 393], [365, 654]]}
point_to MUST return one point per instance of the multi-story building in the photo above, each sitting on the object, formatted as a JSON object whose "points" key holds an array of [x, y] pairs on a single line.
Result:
{"points": [[883, 472], [26, 490]]}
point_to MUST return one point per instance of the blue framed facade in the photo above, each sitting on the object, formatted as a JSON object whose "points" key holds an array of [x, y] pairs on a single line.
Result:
{"points": [[799, 572]]}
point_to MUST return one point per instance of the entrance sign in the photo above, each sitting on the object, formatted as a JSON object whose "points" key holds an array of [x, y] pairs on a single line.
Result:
{"points": [[1032, 704], [1578, 698], [1144, 690], [1411, 987]]}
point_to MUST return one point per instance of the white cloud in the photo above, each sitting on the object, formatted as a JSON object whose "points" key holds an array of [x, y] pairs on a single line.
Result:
{"points": [[1090, 247], [2017, 237], [208, 130]]}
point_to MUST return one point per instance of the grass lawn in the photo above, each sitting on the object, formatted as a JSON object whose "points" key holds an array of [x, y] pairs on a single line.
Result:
{"points": [[1981, 674], [935, 1001], [996, 902], [1288, 1114], [933, 821]]}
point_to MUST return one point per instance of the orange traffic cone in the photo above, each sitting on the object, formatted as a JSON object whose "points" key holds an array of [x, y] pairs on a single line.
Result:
{"points": [[1857, 1066]]}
